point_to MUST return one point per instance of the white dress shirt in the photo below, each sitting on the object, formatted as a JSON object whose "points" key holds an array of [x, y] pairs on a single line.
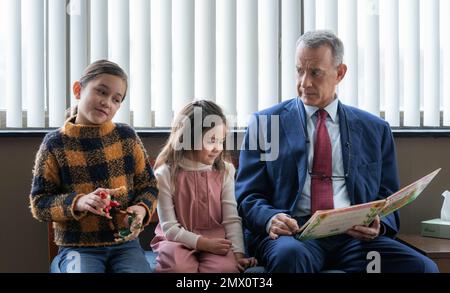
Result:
{"points": [[340, 194]]}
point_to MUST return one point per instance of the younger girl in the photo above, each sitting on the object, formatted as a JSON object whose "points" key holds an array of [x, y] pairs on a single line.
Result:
{"points": [[80, 166], [199, 228]]}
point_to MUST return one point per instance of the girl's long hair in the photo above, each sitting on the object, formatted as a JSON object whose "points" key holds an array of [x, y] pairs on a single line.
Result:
{"points": [[183, 124]]}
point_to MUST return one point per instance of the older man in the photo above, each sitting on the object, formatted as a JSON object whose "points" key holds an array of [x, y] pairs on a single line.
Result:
{"points": [[330, 155]]}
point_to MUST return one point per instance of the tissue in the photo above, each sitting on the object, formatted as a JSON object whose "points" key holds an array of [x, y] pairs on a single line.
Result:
{"points": [[445, 211]]}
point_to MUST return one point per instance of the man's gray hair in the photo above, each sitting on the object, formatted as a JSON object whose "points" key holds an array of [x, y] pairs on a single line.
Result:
{"points": [[318, 38]]}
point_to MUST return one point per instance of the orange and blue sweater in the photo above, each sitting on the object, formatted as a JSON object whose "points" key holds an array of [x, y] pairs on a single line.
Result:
{"points": [[76, 160]]}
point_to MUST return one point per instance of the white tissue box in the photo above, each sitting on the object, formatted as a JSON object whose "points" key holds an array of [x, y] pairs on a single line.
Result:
{"points": [[436, 228]]}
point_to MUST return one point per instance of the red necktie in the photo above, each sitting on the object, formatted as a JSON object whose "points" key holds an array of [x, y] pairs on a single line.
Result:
{"points": [[321, 183]]}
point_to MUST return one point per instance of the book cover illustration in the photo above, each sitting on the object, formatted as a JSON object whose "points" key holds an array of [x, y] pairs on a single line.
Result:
{"points": [[407, 194], [326, 223]]}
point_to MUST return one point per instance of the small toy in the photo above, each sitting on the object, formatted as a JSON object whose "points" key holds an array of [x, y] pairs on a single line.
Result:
{"points": [[134, 227], [112, 203]]}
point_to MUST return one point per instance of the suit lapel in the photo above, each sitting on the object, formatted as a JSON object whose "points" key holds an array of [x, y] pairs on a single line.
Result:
{"points": [[293, 123], [350, 140]]}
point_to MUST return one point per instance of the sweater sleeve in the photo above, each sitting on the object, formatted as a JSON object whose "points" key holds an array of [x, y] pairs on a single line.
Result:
{"points": [[231, 220], [172, 229], [47, 202], [145, 186]]}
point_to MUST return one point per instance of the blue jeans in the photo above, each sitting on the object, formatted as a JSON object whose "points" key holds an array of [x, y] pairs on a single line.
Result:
{"points": [[128, 257]]}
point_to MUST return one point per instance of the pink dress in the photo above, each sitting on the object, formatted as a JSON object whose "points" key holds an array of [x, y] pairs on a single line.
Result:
{"points": [[198, 209]]}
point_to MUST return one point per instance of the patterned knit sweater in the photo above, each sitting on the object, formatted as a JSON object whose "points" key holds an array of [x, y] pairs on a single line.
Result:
{"points": [[76, 160]]}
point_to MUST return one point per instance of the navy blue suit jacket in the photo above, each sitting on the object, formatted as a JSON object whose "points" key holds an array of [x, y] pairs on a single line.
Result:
{"points": [[265, 188]]}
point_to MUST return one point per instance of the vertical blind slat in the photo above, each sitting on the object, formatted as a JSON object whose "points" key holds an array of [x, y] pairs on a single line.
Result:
{"points": [[99, 30], [57, 62], [370, 29], [34, 51], [162, 61], [268, 53], [329, 12], [13, 62], [391, 62], [183, 52], [445, 47], [348, 23], [290, 32], [226, 56], [205, 49], [411, 62], [431, 66], [309, 15], [247, 59], [78, 42], [140, 63], [119, 52]]}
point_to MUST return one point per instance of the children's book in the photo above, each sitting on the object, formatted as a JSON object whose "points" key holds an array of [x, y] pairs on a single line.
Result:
{"points": [[326, 223]]}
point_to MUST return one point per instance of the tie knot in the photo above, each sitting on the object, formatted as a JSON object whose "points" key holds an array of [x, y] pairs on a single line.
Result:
{"points": [[322, 114]]}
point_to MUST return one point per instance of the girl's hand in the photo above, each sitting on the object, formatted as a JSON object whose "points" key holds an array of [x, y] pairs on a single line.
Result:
{"points": [[92, 202], [140, 213], [218, 246], [135, 227], [243, 262]]}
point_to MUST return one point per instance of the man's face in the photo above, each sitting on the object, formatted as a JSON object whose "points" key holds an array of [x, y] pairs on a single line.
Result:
{"points": [[317, 75]]}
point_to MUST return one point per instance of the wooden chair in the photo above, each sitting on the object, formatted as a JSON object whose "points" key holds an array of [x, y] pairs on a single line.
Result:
{"points": [[52, 247]]}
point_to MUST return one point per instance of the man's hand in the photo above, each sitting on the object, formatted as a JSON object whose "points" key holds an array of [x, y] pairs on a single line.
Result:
{"points": [[283, 225], [218, 246], [366, 233]]}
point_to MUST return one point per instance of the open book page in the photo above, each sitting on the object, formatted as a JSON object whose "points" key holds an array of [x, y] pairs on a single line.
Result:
{"points": [[407, 194], [332, 222]]}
